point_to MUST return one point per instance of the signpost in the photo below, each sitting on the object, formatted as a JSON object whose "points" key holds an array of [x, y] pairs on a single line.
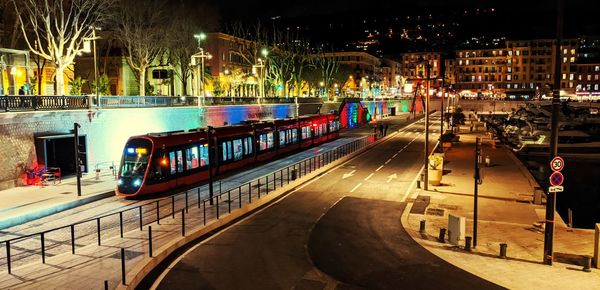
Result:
{"points": [[556, 180]]}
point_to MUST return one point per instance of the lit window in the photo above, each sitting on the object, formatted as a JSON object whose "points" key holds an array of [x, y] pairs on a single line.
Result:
{"points": [[570, 84], [596, 87], [508, 86], [572, 59], [517, 52], [596, 77], [510, 52], [460, 62], [564, 76], [467, 62], [565, 51], [572, 51], [571, 77], [579, 77], [564, 60], [589, 77], [508, 78], [597, 68]]}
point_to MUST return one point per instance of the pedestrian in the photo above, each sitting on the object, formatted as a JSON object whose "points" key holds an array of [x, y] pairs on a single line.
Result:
{"points": [[385, 129], [380, 129]]}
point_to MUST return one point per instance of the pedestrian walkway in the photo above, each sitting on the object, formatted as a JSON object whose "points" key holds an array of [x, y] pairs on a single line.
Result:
{"points": [[506, 214]]}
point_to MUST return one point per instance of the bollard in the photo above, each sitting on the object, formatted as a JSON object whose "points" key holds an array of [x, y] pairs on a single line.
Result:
{"points": [[217, 206], [468, 243], [8, 264], [240, 196], [158, 212], [442, 236], [173, 206], [229, 201], [250, 192], [204, 212], [587, 264], [123, 274], [105, 284], [418, 183], [186, 201], [503, 250], [150, 241], [422, 227], [198, 193]]}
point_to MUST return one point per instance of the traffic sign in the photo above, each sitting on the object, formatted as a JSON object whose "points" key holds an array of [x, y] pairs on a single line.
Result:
{"points": [[555, 189], [556, 178], [557, 163]]}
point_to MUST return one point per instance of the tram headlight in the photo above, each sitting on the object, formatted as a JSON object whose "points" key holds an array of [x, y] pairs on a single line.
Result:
{"points": [[137, 182], [120, 182]]}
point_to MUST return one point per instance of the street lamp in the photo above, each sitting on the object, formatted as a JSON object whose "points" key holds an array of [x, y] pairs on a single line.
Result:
{"points": [[261, 75], [93, 40], [426, 111], [201, 55]]}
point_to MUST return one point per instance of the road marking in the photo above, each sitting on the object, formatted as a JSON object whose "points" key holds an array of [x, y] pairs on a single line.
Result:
{"points": [[395, 155], [379, 168], [370, 175], [413, 183], [356, 187], [393, 176], [388, 161], [346, 175]]}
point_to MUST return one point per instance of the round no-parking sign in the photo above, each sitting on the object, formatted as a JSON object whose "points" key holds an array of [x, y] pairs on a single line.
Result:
{"points": [[556, 178]]}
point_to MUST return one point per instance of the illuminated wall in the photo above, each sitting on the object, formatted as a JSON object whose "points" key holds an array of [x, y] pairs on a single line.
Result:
{"points": [[107, 130]]}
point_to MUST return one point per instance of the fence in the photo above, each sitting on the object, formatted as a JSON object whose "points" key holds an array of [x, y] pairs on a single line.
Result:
{"points": [[193, 205]]}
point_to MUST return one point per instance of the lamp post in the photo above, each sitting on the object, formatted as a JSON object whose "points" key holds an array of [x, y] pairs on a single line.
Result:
{"points": [[93, 40], [200, 69], [426, 111]]}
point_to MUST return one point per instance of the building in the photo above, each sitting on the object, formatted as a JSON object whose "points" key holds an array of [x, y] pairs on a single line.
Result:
{"points": [[414, 72], [481, 70]]}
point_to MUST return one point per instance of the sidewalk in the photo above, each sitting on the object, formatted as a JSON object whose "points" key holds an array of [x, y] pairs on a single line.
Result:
{"points": [[506, 214], [23, 204]]}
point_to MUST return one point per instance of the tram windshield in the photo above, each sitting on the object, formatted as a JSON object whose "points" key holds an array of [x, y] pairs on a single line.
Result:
{"points": [[135, 158]]}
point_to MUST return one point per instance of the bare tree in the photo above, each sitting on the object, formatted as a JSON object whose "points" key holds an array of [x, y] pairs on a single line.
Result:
{"points": [[56, 30], [182, 45], [141, 29]]}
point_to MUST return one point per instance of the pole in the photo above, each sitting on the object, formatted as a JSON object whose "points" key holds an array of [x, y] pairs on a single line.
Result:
{"points": [[551, 196], [95, 68], [77, 161], [202, 77], [426, 152], [475, 192], [210, 169]]}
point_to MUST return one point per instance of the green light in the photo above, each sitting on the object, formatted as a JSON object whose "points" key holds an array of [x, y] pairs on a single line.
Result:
{"points": [[264, 52]]}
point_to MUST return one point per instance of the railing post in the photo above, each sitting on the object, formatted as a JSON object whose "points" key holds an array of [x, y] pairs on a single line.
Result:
{"points": [[73, 239], [267, 183], [183, 223], [121, 223], [217, 204], [158, 212], [150, 241], [259, 187], [199, 197], [281, 178], [141, 221], [229, 201], [123, 274], [98, 225], [204, 212], [173, 205], [250, 192], [43, 248], [8, 257], [186, 201], [240, 196]]}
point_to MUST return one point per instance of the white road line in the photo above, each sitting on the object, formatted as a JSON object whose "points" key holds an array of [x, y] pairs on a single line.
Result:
{"points": [[356, 187], [388, 161], [379, 168], [370, 175], [395, 155], [411, 185]]}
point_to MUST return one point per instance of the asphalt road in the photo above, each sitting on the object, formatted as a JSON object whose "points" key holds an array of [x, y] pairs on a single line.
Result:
{"points": [[340, 231]]}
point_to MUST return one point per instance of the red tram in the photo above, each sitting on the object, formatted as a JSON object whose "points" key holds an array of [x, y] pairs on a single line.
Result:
{"points": [[159, 162]]}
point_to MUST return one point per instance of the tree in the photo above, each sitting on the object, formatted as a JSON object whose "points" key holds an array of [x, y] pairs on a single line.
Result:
{"points": [[141, 29], [56, 30], [182, 45]]}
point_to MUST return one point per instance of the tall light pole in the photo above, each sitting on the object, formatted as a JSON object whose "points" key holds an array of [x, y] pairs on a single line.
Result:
{"points": [[93, 40], [426, 111], [261, 72], [200, 69], [550, 197]]}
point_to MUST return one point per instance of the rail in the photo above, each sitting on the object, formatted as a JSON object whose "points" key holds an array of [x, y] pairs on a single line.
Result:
{"points": [[193, 205]]}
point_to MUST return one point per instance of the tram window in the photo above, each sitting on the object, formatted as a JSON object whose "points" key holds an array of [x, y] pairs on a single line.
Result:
{"points": [[158, 171], [204, 155], [266, 141], [248, 145], [191, 158], [238, 149], [179, 161], [227, 150], [294, 135], [224, 151], [173, 162], [306, 133], [283, 138]]}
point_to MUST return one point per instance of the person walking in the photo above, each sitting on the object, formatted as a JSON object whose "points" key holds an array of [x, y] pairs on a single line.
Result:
{"points": [[385, 128]]}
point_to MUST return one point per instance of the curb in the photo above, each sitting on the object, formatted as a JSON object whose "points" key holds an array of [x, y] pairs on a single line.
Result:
{"points": [[24, 218]]}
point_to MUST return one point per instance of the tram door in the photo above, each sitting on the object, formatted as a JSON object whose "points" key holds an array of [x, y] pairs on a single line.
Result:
{"points": [[59, 151]]}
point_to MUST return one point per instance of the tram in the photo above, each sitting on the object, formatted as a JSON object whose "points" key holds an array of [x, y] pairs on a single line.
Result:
{"points": [[160, 162]]}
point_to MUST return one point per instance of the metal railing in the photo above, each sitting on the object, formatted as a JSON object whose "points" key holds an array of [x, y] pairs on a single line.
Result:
{"points": [[34, 103], [194, 206]]}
